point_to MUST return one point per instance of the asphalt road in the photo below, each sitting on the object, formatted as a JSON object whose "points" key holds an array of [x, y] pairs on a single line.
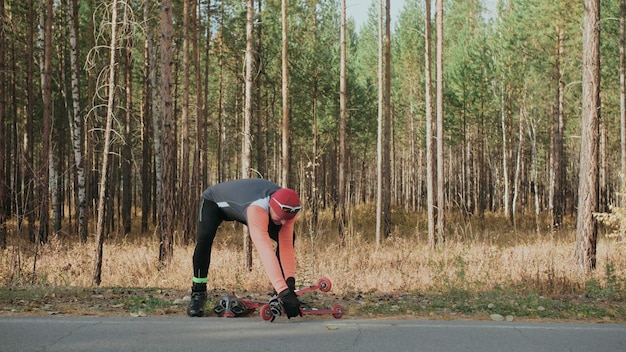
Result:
{"points": [[95, 334]]}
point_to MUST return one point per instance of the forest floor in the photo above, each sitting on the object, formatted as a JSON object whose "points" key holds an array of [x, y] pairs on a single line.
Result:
{"points": [[484, 272], [602, 307]]}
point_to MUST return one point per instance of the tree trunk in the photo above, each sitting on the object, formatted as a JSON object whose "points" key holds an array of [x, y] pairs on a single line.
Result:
{"points": [[310, 171], [246, 146], [168, 200], [603, 192], [506, 194], [341, 192], [126, 157], [260, 142], [76, 124], [483, 182], [204, 167], [285, 92], [200, 145], [532, 136], [380, 141], [387, 127], [97, 273], [440, 117], [221, 154], [55, 157], [622, 99], [147, 126], [4, 198], [558, 164], [29, 137], [430, 184], [185, 180], [518, 166], [46, 88], [586, 226]]}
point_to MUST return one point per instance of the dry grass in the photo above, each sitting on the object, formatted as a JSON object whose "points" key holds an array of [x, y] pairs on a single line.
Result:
{"points": [[470, 260]]}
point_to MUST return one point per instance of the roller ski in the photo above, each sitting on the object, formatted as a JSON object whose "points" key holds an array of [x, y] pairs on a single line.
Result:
{"points": [[274, 308], [231, 306]]}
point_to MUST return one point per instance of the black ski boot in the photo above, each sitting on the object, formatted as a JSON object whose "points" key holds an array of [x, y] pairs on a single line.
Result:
{"points": [[198, 300]]}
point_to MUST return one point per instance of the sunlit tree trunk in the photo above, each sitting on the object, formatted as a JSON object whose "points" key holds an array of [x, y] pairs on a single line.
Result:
{"points": [[586, 226]]}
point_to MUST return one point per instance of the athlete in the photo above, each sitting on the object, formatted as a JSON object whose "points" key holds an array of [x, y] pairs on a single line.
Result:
{"points": [[269, 211]]}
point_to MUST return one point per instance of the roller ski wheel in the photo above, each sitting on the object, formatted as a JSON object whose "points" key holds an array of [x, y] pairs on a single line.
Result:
{"points": [[324, 285], [266, 313], [337, 311]]}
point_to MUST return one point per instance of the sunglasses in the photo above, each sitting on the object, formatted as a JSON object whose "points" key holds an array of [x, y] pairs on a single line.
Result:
{"points": [[287, 208]]}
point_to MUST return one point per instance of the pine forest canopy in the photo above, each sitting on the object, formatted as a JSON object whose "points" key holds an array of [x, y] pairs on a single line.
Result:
{"points": [[512, 106]]}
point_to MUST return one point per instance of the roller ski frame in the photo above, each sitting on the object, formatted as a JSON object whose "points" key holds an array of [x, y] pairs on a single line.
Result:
{"points": [[231, 306]]}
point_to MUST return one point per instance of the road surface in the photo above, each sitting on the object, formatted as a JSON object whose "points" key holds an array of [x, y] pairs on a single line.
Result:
{"points": [[178, 333]]}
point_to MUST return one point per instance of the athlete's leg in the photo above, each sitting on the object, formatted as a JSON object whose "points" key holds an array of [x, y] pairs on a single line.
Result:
{"points": [[209, 220], [210, 217]]}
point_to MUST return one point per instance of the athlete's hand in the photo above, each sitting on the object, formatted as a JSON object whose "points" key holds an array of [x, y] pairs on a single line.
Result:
{"points": [[290, 302]]}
